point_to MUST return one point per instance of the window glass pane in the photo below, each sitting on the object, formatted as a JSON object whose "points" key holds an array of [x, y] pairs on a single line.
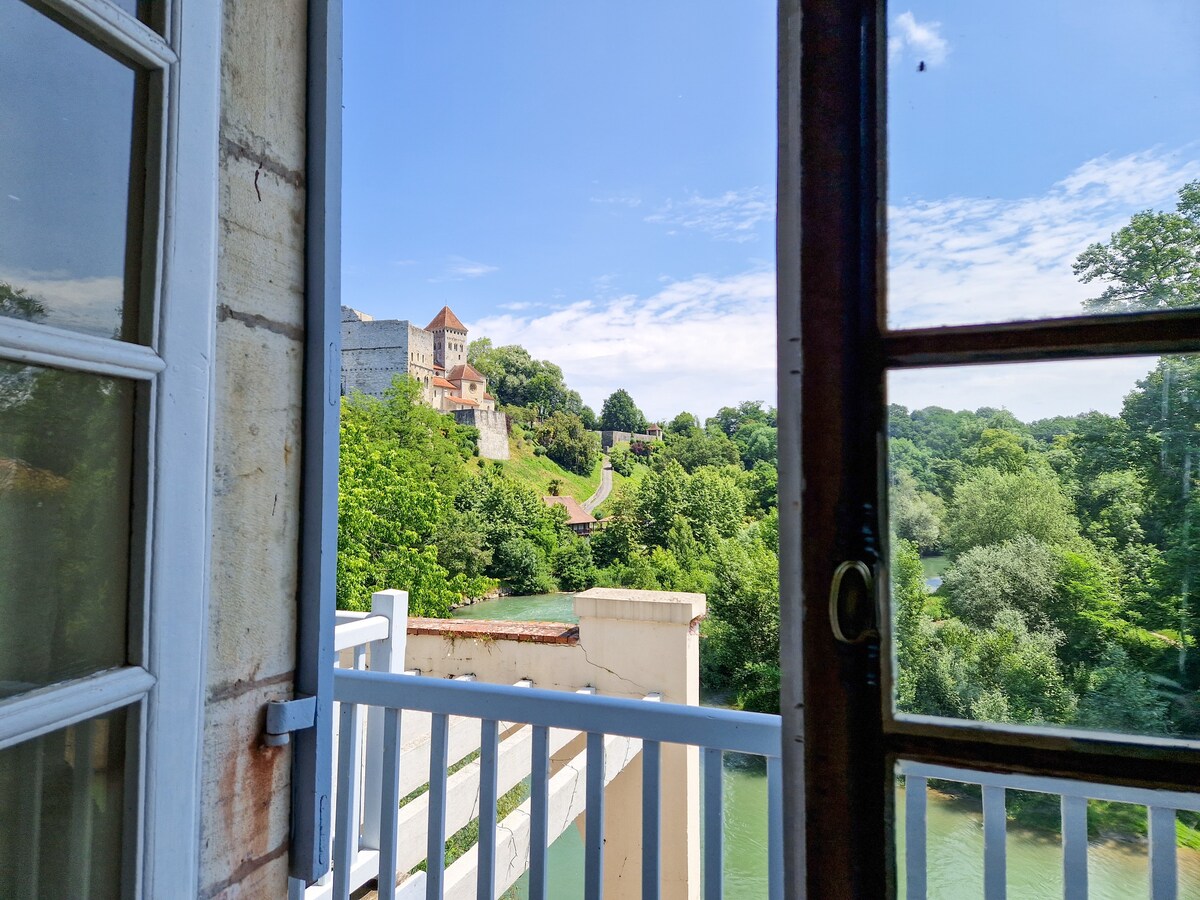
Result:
{"points": [[1042, 159], [63, 796], [65, 458], [69, 233], [1046, 543], [1112, 834]]}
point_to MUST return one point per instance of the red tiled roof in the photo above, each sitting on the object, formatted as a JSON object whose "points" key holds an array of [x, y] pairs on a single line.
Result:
{"points": [[577, 515], [465, 401], [438, 368], [487, 396], [465, 372], [446, 319], [439, 381], [534, 632]]}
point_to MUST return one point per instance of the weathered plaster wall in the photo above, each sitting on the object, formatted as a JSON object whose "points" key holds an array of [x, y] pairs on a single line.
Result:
{"points": [[252, 614], [493, 430]]}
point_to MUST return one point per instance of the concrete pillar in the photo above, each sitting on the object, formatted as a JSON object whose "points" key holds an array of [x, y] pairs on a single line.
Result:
{"points": [[638, 643]]}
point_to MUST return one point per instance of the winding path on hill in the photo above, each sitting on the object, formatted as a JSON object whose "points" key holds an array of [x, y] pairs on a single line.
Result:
{"points": [[603, 490]]}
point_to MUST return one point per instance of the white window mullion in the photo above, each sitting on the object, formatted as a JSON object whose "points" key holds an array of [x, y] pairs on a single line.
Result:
{"points": [[114, 29], [45, 345], [180, 523], [37, 712]]}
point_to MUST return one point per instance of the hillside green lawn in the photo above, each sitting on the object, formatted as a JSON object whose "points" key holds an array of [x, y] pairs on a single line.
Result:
{"points": [[536, 472]]}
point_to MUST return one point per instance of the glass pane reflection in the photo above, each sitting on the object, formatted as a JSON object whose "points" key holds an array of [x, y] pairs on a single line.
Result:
{"points": [[63, 795], [69, 233], [1042, 160], [1046, 543], [65, 462]]}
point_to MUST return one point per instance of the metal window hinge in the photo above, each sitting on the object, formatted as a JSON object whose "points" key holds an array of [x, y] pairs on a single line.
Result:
{"points": [[286, 716]]}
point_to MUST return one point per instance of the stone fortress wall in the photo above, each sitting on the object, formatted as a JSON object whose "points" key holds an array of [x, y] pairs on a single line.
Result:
{"points": [[493, 430], [372, 354], [609, 438]]}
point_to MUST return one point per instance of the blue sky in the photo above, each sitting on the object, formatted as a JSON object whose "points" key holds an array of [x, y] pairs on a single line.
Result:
{"points": [[595, 181]]}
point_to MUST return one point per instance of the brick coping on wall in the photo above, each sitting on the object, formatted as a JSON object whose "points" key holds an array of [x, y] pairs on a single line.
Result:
{"points": [[488, 629]]}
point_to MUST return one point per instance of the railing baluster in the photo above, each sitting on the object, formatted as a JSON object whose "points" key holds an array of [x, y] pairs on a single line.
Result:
{"points": [[435, 858], [774, 828], [485, 888], [539, 796], [651, 819], [714, 837], [1075, 847], [995, 828], [916, 798], [1164, 879], [389, 803], [345, 829], [593, 868]]}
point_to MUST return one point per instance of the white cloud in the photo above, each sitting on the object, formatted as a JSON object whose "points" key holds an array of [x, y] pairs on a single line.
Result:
{"points": [[515, 307], [968, 259], [704, 342], [459, 268], [922, 41], [631, 200], [732, 216], [696, 344]]}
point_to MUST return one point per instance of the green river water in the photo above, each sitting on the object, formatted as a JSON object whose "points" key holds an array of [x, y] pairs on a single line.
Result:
{"points": [[1116, 870]]}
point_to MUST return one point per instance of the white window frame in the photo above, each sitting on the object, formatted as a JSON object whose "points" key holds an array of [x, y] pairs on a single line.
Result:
{"points": [[163, 686]]}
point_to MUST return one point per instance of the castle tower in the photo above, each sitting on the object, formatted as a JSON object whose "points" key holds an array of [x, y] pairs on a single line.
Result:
{"points": [[449, 339]]}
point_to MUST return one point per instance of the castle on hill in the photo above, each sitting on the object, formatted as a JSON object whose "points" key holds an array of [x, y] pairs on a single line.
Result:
{"points": [[376, 350]]}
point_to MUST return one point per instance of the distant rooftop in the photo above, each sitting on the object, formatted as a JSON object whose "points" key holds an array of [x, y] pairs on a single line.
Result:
{"points": [[577, 515], [446, 319]]}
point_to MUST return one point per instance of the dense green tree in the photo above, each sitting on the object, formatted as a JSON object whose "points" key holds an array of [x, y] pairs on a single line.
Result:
{"points": [[621, 459], [521, 565], [990, 507], [703, 449], [1151, 263], [713, 503], [915, 515], [517, 379], [757, 443], [741, 634], [683, 424], [660, 498], [620, 413], [573, 565], [568, 443], [400, 465], [729, 419]]}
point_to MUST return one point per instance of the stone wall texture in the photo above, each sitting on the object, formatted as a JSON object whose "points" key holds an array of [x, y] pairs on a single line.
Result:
{"points": [[257, 446], [609, 438], [493, 430], [375, 350]]}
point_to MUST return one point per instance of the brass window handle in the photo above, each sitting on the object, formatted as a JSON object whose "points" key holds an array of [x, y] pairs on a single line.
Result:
{"points": [[867, 595]]}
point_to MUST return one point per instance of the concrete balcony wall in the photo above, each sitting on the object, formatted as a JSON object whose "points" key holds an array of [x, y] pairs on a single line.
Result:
{"points": [[627, 644]]}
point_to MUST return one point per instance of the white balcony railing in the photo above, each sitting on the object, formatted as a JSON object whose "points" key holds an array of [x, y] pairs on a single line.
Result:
{"points": [[398, 732], [1074, 795]]}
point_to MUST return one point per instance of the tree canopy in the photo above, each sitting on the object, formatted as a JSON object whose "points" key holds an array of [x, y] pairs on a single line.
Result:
{"points": [[620, 413], [1151, 263]]}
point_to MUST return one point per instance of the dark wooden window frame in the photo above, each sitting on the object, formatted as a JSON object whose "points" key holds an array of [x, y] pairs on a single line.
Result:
{"points": [[841, 739]]}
